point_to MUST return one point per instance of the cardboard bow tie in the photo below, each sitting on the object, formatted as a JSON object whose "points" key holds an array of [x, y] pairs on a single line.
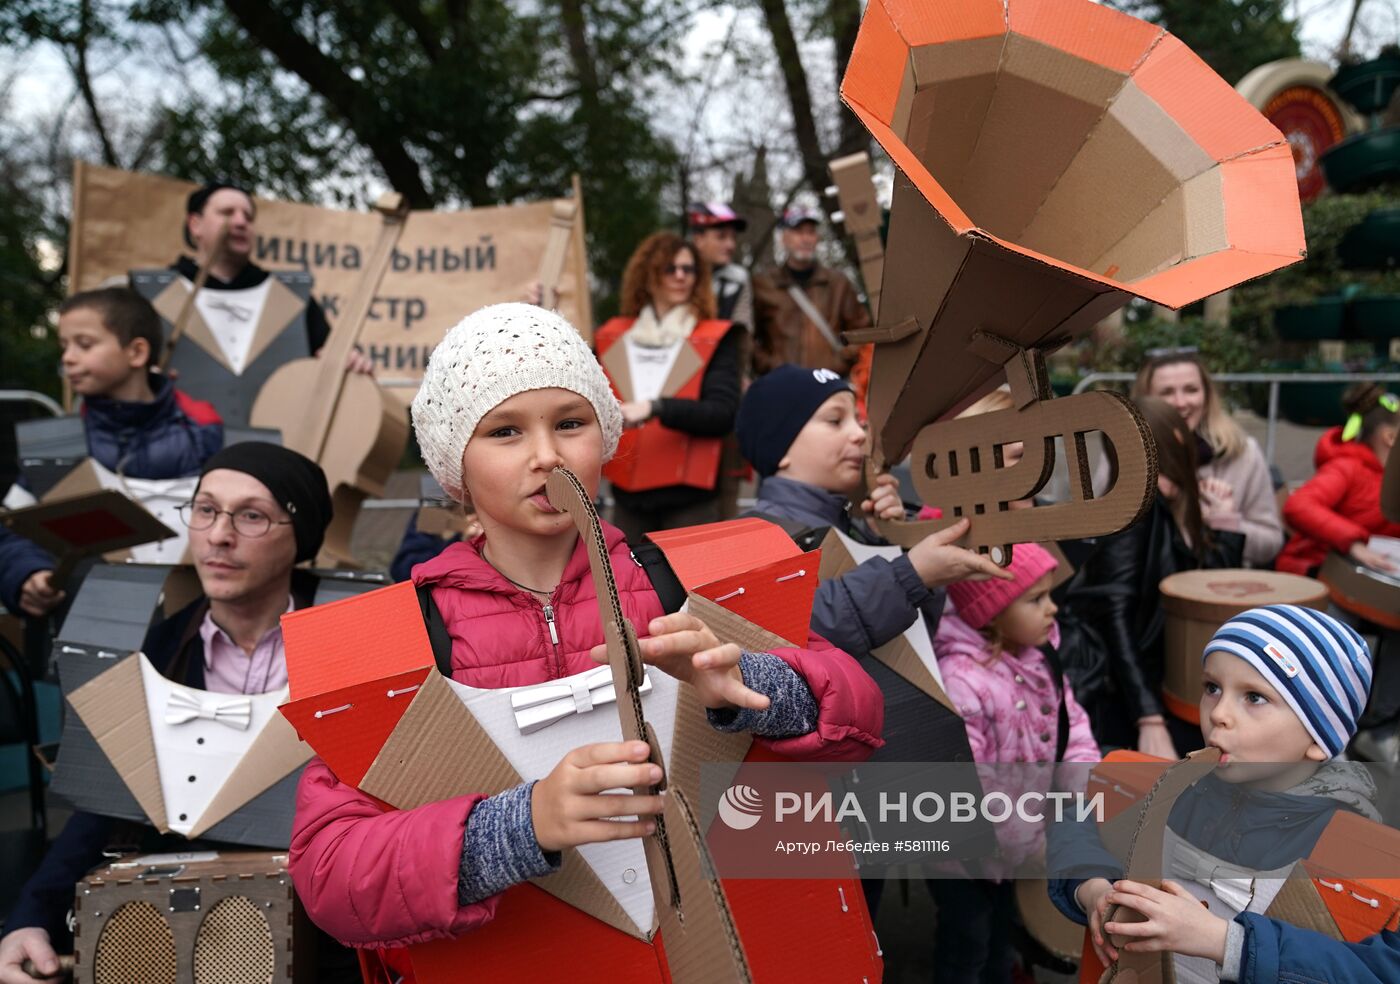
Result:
{"points": [[182, 707], [540, 706]]}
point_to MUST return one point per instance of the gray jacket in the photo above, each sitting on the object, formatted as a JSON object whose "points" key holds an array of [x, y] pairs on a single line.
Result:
{"points": [[866, 607]]}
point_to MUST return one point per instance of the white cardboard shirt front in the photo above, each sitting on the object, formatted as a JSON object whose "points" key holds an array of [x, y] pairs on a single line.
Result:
{"points": [[620, 866], [650, 366], [125, 710], [195, 758], [232, 317]]}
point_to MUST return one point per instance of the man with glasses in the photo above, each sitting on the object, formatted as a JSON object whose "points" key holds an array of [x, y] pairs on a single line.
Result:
{"points": [[259, 510], [802, 308]]}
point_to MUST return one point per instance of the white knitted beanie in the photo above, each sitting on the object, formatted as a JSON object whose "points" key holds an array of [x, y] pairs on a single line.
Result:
{"points": [[491, 355]]}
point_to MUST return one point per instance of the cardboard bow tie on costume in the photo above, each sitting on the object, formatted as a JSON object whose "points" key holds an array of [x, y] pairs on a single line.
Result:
{"points": [[1056, 158]]}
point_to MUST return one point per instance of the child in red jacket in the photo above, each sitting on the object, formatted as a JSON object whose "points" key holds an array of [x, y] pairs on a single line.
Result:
{"points": [[511, 393], [1339, 507]]}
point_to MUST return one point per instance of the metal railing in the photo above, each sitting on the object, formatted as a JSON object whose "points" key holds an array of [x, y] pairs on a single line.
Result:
{"points": [[1272, 379], [31, 396]]}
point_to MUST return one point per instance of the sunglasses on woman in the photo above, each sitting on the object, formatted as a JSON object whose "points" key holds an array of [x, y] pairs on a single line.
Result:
{"points": [[680, 270]]}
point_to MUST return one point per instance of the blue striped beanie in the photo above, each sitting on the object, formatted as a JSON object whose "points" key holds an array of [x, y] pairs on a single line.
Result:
{"points": [[1319, 665]]}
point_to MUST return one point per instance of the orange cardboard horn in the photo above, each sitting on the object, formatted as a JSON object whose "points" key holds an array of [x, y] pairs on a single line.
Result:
{"points": [[1056, 158]]}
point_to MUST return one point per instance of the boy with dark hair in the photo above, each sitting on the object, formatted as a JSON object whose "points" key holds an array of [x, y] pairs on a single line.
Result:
{"points": [[137, 423]]}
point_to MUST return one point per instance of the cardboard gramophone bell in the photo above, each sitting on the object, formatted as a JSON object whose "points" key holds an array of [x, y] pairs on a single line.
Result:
{"points": [[1056, 158]]}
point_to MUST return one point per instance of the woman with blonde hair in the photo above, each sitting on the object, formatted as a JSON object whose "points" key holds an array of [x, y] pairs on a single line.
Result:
{"points": [[1237, 492], [675, 367]]}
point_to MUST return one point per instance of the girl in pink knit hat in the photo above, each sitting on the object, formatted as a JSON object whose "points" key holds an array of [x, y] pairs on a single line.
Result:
{"points": [[1010, 699]]}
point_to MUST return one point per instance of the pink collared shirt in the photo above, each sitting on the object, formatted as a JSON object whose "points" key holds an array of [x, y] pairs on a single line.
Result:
{"points": [[230, 670]]}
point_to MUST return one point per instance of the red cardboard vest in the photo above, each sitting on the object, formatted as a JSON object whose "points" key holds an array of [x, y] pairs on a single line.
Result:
{"points": [[654, 456], [790, 929]]}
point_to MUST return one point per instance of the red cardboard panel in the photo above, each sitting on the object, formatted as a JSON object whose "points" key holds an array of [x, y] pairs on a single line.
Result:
{"points": [[348, 727], [355, 640], [920, 22], [1088, 31], [499, 950], [702, 554], [877, 65], [89, 527], [777, 597], [1253, 187], [1207, 107]]}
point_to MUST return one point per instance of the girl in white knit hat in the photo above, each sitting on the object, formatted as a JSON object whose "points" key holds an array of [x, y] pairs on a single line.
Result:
{"points": [[511, 393]]}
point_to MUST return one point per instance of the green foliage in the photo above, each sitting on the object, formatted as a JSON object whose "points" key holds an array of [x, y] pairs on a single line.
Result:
{"points": [[28, 349], [1325, 222]]}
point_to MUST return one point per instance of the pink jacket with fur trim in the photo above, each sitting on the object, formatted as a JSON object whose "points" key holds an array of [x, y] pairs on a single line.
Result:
{"points": [[371, 877]]}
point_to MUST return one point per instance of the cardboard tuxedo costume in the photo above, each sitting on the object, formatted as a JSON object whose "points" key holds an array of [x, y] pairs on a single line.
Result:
{"points": [[137, 745], [620, 911], [235, 339], [654, 456]]}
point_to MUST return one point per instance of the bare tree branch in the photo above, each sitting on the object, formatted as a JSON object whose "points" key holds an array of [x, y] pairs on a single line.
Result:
{"points": [[79, 67], [353, 101]]}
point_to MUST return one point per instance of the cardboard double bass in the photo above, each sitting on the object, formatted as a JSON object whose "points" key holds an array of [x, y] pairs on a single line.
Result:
{"points": [[343, 421]]}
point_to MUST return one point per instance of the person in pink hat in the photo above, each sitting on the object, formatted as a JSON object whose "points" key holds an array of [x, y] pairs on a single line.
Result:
{"points": [[1017, 709]]}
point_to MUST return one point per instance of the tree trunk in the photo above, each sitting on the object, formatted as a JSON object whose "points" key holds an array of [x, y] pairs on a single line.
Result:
{"points": [[845, 17]]}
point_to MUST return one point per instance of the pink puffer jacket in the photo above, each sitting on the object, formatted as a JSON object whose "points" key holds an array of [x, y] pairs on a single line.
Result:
{"points": [[374, 878], [1011, 709]]}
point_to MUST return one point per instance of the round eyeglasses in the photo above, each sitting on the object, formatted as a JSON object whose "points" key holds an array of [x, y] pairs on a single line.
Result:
{"points": [[246, 522]]}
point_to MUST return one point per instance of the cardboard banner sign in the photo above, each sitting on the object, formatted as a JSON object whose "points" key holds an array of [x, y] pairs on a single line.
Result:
{"points": [[447, 264], [1055, 159]]}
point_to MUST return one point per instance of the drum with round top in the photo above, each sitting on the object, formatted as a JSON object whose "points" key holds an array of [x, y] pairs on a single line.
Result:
{"points": [[1199, 602], [1363, 591]]}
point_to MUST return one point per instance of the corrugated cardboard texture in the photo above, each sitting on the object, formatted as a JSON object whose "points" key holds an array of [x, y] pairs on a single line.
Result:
{"points": [[1065, 134], [78, 519], [379, 634], [112, 609], [955, 470], [48, 449], [1362, 591], [110, 706], [897, 654]]}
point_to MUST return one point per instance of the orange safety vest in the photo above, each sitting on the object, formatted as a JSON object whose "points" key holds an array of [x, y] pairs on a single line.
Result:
{"points": [[654, 456]]}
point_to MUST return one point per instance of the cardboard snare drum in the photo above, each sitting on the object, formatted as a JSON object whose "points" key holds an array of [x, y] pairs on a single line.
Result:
{"points": [[1199, 602], [1362, 591], [194, 918]]}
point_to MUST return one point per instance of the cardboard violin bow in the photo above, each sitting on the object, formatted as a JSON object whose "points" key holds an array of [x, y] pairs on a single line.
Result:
{"points": [[693, 915], [187, 307], [1055, 159], [345, 422]]}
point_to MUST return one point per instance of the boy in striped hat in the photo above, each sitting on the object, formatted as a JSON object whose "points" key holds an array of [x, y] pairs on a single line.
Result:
{"points": [[1283, 688]]}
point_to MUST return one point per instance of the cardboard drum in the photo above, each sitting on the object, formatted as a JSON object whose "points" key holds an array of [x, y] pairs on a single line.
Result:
{"points": [[1199, 602], [1361, 590]]}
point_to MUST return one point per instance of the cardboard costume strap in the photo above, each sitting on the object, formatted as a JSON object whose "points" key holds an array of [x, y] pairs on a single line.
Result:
{"points": [[654, 456]]}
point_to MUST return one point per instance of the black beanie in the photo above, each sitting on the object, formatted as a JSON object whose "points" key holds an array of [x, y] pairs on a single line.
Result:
{"points": [[194, 205], [777, 407], [296, 482]]}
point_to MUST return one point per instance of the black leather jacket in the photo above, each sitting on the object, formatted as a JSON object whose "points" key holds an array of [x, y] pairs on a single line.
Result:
{"points": [[1116, 591]]}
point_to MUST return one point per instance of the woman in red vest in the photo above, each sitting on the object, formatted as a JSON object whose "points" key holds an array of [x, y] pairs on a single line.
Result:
{"points": [[675, 368]]}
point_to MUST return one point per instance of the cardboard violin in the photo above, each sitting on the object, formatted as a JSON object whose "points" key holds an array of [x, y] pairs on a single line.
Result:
{"points": [[345, 422]]}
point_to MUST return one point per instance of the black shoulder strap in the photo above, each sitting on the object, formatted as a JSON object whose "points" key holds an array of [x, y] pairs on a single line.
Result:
{"points": [[663, 579], [438, 636], [806, 537], [1052, 657]]}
